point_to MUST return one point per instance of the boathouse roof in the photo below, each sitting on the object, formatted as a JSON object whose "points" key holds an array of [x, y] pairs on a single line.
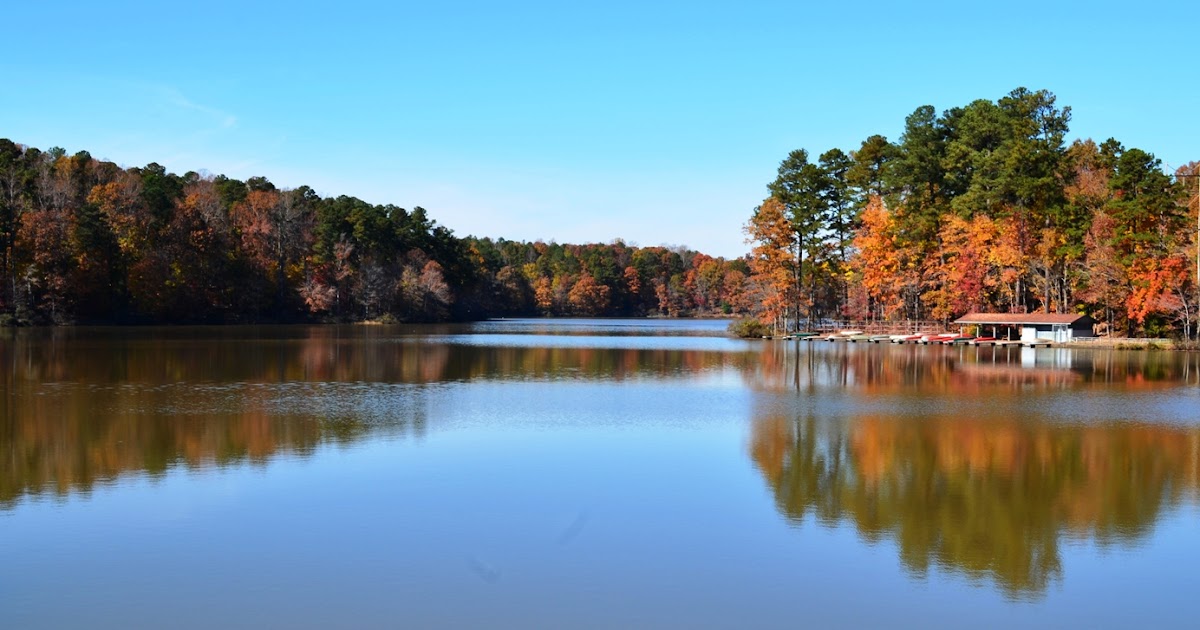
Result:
{"points": [[1017, 319]]}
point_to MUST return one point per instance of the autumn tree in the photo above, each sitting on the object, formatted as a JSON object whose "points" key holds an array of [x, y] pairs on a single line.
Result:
{"points": [[773, 259], [424, 290], [275, 230], [878, 264], [15, 182], [588, 297], [46, 233]]}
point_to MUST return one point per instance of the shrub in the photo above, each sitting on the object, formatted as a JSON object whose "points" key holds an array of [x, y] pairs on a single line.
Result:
{"points": [[748, 328]]}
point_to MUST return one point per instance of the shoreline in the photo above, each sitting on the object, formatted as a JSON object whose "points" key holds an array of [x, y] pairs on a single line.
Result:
{"points": [[1115, 343]]}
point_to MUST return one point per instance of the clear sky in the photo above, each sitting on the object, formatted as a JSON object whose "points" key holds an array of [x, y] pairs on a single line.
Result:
{"points": [[577, 121]]}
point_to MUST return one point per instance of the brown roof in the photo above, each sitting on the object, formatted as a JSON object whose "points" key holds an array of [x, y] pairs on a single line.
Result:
{"points": [[1020, 318]]}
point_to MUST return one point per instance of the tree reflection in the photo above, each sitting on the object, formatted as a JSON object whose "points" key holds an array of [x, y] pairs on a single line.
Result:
{"points": [[991, 499], [70, 443], [80, 407], [320, 354]]}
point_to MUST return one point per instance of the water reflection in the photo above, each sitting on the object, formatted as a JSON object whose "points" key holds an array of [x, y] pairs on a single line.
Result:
{"points": [[881, 437], [992, 497], [963, 370], [84, 406], [978, 461], [338, 354]]}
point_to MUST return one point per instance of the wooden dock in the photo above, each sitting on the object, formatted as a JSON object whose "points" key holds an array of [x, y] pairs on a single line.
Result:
{"points": [[893, 332]]}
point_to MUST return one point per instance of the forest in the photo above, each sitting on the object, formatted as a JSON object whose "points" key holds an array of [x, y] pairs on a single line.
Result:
{"points": [[84, 240], [983, 207]]}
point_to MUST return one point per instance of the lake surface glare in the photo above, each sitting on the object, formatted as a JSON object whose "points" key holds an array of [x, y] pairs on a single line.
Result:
{"points": [[589, 473]]}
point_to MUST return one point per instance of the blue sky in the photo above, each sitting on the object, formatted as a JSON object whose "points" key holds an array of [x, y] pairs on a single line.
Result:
{"points": [[659, 123]]}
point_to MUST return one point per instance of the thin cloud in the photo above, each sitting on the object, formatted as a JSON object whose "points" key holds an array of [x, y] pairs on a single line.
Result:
{"points": [[173, 96]]}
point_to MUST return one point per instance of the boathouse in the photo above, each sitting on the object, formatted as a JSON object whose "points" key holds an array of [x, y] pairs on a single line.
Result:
{"points": [[1056, 327]]}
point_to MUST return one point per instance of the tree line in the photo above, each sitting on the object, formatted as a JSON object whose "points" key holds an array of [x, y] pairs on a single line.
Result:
{"points": [[85, 240], [983, 207]]}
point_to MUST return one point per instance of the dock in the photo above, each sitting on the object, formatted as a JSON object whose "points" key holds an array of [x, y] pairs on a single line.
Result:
{"points": [[931, 340], [910, 332], [996, 342]]}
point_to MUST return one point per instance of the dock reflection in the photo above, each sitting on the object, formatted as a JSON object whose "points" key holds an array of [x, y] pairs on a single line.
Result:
{"points": [[797, 366]]}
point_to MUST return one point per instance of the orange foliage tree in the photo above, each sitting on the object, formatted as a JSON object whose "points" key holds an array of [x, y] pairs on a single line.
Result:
{"points": [[588, 297], [878, 263], [772, 261], [1154, 281]]}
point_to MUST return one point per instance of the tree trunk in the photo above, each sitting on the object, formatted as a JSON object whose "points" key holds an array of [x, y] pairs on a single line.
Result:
{"points": [[1049, 285]]}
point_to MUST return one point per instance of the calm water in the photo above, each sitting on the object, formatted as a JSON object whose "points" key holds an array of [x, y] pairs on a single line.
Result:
{"points": [[592, 473]]}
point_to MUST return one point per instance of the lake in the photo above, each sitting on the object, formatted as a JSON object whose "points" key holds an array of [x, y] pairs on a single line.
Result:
{"points": [[589, 473]]}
